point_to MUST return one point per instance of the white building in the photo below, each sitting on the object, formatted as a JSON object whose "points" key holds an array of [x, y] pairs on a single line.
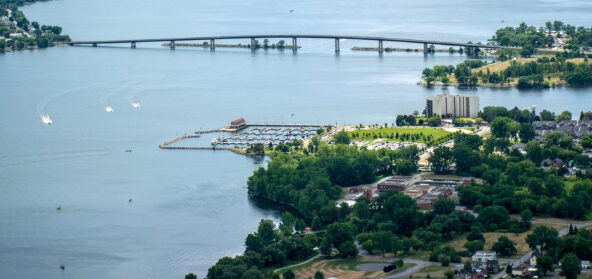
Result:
{"points": [[483, 256], [448, 105]]}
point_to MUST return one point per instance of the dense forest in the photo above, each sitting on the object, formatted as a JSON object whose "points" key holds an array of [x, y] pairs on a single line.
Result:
{"points": [[25, 34], [531, 37], [310, 182]]}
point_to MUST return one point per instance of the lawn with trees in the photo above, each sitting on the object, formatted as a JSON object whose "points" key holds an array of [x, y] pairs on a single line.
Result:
{"points": [[402, 134]]}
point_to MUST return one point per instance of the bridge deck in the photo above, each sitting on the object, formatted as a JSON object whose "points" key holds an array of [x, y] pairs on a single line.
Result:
{"points": [[280, 36]]}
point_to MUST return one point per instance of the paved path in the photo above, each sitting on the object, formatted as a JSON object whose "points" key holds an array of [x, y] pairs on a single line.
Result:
{"points": [[297, 264]]}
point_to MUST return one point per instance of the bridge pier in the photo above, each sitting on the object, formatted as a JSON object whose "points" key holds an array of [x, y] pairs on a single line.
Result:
{"points": [[470, 51], [212, 44], [425, 48], [95, 44], [133, 44], [336, 44], [380, 48], [172, 45], [252, 43], [294, 44]]}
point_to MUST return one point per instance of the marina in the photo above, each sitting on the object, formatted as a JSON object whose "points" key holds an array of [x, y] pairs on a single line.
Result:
{"points": [[240, 134]]}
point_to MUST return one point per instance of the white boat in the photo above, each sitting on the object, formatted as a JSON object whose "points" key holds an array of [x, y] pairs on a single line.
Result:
{"points": [[135, 105], [45, 119], [109, 109]]}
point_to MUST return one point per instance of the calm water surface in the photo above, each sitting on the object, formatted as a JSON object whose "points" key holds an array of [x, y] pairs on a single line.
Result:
{"points": [[191, 208]]}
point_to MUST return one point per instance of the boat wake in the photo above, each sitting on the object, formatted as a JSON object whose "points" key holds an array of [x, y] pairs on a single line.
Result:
{"points": [[45, 119]]}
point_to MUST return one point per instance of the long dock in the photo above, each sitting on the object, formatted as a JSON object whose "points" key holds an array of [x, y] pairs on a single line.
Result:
{"points": [[286, 125]]}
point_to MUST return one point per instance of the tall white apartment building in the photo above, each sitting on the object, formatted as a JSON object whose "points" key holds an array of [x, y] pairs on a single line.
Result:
{"points": [[448, 105]]}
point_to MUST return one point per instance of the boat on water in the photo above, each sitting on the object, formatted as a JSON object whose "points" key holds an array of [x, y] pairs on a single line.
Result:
{"points": [[45, 119], [135, 105], [109, 109]]}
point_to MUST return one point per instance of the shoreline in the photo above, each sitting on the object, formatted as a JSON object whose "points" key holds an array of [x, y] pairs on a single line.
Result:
{"points": [[486, 85]]}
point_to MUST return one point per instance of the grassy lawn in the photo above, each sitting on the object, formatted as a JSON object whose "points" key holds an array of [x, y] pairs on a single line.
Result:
{"points": [[518, 238], [417, 134], [433, 268], [435, 271]]}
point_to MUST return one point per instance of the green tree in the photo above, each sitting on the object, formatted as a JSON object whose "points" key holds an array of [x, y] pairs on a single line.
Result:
{"points": [[570, 266], [289, 274], [339, 233], [475, 234], [504, 246], [348, 250], [493, 216], [341, 137], [526, 132], [382, 241], [444, 206], [316, 224], [526, 218], [190, 276], [319, 275], [546, 115], [266, 231], [586, 141], [504, 127], [543, 239], [441, 159], [300, 225], [565, 115], [545, 264], [473, 246]]}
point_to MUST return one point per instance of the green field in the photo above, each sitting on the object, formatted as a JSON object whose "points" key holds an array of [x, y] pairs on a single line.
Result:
{"points": [[407, 134]]}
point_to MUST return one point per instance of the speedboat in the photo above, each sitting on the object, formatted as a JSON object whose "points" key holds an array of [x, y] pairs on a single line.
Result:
{"points": [[135, 105], [109, 109], [45, 119]]}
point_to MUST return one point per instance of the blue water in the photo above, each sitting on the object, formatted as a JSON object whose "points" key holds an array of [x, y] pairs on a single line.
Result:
{"points": [[190, 208]]}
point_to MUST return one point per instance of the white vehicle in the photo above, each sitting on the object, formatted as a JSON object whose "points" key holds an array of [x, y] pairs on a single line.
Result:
{"points": [[45, 119]]}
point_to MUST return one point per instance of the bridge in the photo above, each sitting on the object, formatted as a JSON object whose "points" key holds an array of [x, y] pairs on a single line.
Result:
{"points": [[471, 47]]}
